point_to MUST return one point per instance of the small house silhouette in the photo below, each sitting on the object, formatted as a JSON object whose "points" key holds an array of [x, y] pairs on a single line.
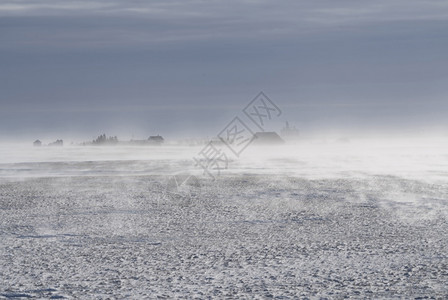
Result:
{"points": [[268, 138], [156, 140]]}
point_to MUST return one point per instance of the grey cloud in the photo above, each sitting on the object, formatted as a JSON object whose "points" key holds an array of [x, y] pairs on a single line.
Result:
{"points": [[99, 24], [77, 57]]}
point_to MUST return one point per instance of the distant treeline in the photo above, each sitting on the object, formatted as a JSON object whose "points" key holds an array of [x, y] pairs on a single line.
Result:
{"points": [[103, 140], [113, 140]]}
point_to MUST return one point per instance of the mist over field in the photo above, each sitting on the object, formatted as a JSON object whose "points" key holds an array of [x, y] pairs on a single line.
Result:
{"points": [[413, 158]]}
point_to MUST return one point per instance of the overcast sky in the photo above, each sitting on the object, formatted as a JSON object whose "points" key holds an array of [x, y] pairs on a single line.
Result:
{"points": [[148, 67]]}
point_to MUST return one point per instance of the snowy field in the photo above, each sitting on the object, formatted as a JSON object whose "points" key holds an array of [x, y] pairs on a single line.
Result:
{"points": [[314, 220]]}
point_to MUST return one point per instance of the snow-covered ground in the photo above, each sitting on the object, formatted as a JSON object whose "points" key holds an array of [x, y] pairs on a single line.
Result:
{"points": [[310, 220]]}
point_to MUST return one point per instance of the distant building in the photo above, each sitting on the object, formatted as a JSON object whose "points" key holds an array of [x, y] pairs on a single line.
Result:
{"points": [[268, 138], [37, 143], [156, 140]]}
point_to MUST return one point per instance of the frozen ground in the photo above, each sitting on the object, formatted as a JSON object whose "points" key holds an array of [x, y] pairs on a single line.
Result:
{"points": [[313, 221]]}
